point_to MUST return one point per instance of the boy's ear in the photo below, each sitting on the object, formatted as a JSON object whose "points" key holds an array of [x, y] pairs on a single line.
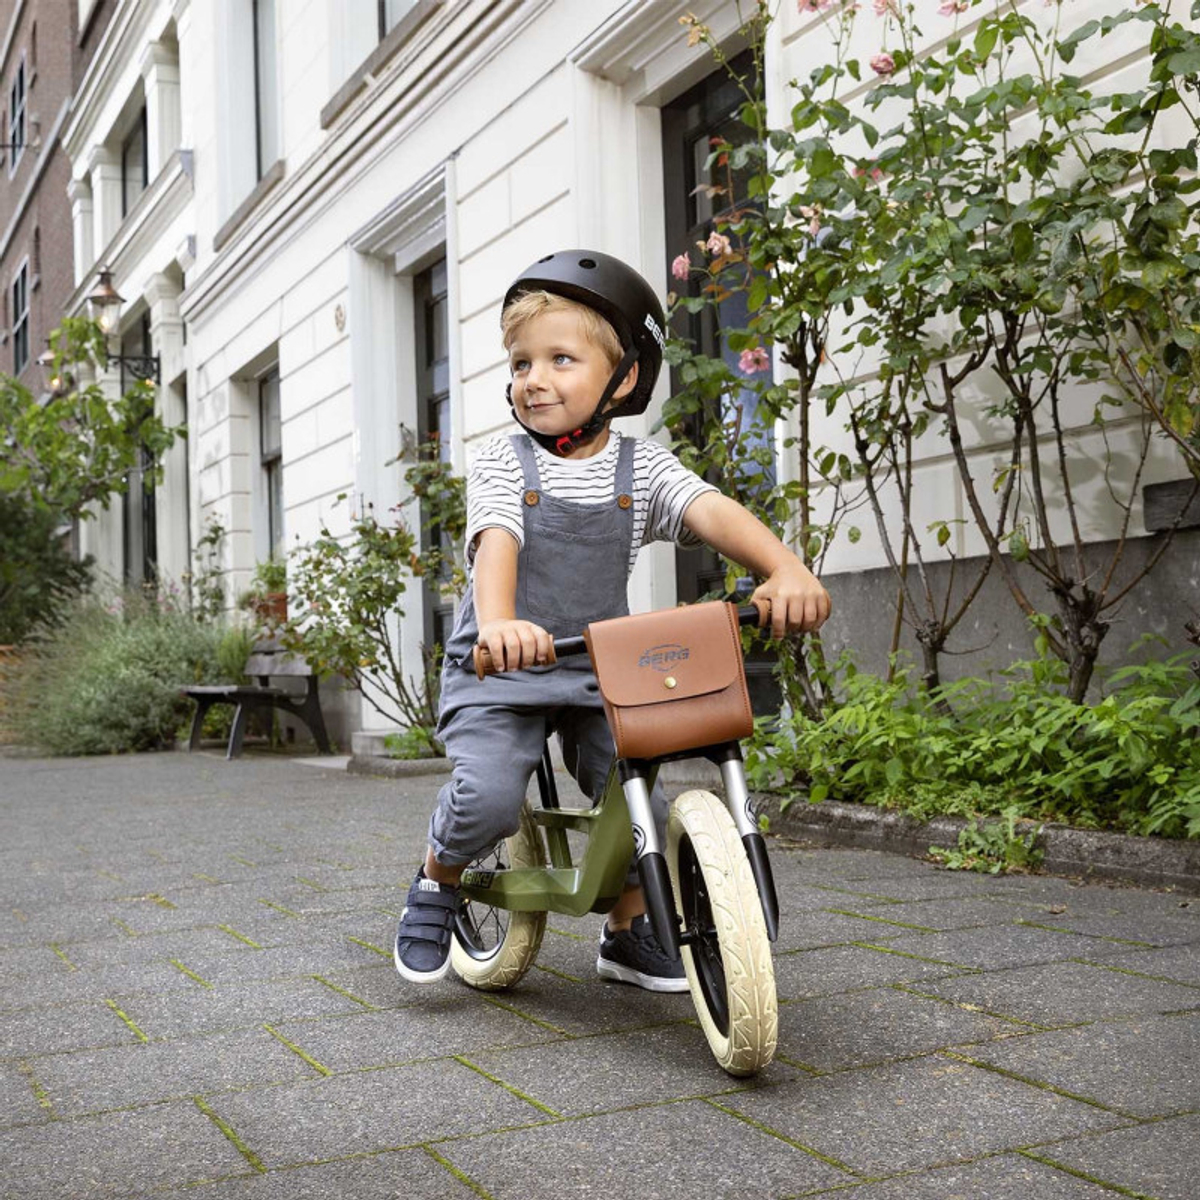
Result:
{"points": [[627, 384]]}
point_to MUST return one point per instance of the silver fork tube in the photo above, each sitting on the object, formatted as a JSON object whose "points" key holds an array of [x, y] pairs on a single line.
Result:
{"points": [[737, 796], [641, 815]]}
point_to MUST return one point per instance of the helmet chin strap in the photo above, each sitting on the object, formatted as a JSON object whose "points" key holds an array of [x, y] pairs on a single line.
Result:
{"points": [[563, 444]]}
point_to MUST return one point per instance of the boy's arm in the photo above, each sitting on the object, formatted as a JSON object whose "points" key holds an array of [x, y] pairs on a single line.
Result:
{"points": [[796, 598], [513, 644]]}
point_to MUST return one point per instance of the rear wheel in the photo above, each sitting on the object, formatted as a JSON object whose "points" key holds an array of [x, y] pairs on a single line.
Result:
{"points": [[728, 960], [492, 947]]}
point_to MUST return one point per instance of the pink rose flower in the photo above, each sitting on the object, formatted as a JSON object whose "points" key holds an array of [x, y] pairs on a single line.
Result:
{"points": [[883, 63], [681, 267], [751, 361], [717, 245], [883, 7], [950, 7], [813, 5]]}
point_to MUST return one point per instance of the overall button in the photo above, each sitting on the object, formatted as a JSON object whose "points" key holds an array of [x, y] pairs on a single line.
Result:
{"points": [[624, 501], [531, 497]]}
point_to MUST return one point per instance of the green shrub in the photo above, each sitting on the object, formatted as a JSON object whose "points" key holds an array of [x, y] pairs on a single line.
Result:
{"points": [[1128, 761], [106, 680]]}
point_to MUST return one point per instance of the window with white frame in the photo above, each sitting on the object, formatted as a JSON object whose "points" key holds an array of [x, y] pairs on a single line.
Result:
{"points": [[270, 443], [391, 12], [135, 164], [266, 87], [20, 318], [16, 116]]}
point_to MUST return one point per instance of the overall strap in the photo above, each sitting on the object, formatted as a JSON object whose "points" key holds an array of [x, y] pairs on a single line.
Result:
{"points": [[623, 479], [522, 445]]}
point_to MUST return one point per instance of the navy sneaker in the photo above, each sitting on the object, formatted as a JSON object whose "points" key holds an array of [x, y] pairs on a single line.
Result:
{"points": [[635, 955], [422, 951]]}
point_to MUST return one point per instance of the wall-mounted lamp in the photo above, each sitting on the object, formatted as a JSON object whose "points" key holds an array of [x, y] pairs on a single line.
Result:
{"points": [[57, 382], [104, 304], [35, 140]]}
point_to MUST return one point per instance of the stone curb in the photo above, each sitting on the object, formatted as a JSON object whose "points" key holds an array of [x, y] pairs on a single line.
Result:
{"points": [[1082, 853], [396, 768], [1086, 853]]}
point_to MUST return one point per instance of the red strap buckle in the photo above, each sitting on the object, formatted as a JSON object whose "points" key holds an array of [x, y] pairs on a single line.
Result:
{"points": [[567, 441]]}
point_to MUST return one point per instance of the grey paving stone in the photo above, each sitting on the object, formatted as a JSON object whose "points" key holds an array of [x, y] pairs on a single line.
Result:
{"points": [[99, 984], [441, 1026], [33, 960], [379, 985], [670, 1152], [1159, 929], [18, 1102], [1179, 963], [1159, 1160], [598, 1074], [962, 912], [1000, 946], [808, 930], [836, 1032], [233, 1006], [100, 1080], [398, 1175], [54, 1030], [923, 884], [117, 1154], [283, 962], [1148, 1066], [923, 1113], [1065, 993], [378, 1110], [1003, 1177], [180, 943], [801, 974]]}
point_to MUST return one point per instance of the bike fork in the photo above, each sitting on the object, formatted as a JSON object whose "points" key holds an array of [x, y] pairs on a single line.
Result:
{"points": [[651, 859], [737, 797]]}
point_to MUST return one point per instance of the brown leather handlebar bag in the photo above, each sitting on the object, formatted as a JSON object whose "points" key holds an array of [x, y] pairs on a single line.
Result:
{"points": [[673, 680]]}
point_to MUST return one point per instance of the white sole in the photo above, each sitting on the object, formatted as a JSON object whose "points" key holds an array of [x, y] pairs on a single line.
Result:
{"points": [[652, 983]]}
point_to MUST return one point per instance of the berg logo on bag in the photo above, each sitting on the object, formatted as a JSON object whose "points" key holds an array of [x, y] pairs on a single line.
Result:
{"points": [[664, 657]]}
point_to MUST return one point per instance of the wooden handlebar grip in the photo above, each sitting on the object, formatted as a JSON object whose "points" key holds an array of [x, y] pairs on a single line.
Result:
{"points": [[484, 665], [483, 662]]}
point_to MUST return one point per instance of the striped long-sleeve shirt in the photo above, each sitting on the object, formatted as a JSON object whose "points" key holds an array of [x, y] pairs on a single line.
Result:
{"points": [[662, 489]]}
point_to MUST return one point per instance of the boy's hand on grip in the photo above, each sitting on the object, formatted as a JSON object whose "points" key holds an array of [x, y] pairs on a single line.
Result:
{"points": [[791, 600], [510, 645]]}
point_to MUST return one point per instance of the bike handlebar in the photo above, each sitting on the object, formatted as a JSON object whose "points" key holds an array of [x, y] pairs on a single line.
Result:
{"points": [[565, 647]]}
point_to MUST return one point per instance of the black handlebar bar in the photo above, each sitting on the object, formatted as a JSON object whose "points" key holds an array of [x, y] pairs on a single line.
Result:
{"points": [[564, 647]]}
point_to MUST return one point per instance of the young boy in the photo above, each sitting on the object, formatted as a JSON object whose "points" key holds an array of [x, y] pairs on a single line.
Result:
{"points": [[555, 518]]}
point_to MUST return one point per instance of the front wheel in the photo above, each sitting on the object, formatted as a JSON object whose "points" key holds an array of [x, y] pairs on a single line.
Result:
{"points": [[492, 947], [728, 960]]}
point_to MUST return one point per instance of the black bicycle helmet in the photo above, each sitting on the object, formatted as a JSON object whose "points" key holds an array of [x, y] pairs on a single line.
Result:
{"points": [[629, 304]]}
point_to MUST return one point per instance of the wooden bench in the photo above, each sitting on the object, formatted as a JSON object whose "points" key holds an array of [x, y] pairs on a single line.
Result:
{"points": [[267, 660]]}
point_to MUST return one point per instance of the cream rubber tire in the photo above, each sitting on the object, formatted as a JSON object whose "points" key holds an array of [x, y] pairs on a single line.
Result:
{"points": [[729, 967], [492, 948]]}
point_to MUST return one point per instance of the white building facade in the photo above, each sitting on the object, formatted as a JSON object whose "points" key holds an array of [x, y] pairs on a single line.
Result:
{"points": [[336, 194]]}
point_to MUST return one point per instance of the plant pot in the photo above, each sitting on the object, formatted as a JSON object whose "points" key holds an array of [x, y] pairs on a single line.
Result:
{"points": [[271, 607]]}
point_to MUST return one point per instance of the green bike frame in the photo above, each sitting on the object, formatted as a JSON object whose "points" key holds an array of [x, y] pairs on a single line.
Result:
{"points": [[593, 884]]}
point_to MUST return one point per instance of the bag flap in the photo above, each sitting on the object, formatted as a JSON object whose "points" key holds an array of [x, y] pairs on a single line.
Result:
{"points": [[675, 654]]}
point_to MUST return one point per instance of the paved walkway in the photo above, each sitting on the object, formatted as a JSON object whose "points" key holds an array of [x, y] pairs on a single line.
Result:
{"points": [[196, 992]]}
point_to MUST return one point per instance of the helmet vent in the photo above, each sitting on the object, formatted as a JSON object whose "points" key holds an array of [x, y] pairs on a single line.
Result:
{"points": [[588, 264]]}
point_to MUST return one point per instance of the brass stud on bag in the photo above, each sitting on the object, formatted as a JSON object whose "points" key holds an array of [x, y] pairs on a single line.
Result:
{"points": [[670, 681]]}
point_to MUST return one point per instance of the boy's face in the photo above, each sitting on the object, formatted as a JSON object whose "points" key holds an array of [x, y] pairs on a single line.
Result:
{"points": [[558, 373]]}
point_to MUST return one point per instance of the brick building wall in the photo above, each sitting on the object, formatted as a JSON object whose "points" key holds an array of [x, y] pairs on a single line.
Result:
{"points": [[36, 271]]}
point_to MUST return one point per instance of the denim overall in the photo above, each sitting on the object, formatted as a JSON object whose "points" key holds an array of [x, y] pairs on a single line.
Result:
{"points": [[571, 570]]}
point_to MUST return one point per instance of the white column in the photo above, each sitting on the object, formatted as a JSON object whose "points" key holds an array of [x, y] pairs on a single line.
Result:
{"points": [[160, 77], [166, 337], [79, 192], [105, 169]]}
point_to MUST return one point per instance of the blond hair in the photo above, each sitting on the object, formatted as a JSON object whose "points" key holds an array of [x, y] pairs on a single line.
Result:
{"points": [[529, 305]]}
